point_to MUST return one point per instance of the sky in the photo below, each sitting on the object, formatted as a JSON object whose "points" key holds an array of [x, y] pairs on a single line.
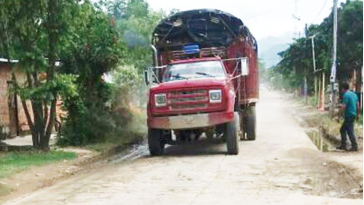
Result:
{"points": [[264, 18]]}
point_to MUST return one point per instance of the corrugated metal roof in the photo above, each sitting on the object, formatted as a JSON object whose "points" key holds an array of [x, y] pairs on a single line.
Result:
{"points": [[4, 60]]}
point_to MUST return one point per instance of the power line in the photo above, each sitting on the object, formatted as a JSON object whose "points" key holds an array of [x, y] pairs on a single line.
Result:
{"points": [[322, 8], [269, 11]]}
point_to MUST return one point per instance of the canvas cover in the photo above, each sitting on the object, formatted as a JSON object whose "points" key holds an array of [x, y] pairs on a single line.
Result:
{"points": [[205, 27]]}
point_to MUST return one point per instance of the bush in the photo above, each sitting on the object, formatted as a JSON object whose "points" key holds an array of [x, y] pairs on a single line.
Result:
{"points": [[110, 115]]}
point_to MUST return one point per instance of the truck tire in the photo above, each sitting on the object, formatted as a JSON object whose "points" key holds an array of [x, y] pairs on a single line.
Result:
{"points": [[156, 142], [250, 127], [232, 135]]}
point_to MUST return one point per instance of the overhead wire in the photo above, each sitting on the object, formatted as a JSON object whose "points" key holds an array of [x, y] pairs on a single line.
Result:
{"points": [[322, 8], [269, 11]]}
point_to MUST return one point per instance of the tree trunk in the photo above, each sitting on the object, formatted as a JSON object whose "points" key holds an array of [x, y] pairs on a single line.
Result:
{"points": [[52, 41], [31, 125], [52, 118]]}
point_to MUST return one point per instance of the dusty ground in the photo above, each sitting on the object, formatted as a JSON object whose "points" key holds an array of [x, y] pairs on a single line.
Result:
{"points": [[38, 177], [26, 140], [281, 167]]}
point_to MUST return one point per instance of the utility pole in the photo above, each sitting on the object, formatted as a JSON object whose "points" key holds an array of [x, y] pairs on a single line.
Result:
{"points": [[295, 16], [334, 59], [314, 65]]}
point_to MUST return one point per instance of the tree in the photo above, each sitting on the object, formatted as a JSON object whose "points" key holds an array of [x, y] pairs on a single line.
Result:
{"points": [[296, 61], [350, 40], [33, 32], [74, 44], [136, 22], [96, 49]]}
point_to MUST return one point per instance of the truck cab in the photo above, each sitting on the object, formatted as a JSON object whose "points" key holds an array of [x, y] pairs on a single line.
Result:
{"points": [[196, 86], [200, 87]]}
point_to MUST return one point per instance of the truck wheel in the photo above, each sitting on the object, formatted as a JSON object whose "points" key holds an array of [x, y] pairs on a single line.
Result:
{"points": [[156, 142], [250, 123], [232, 135]]}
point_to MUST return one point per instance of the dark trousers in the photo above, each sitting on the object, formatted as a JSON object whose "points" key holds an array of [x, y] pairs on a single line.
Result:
{"points": [[348, 127]]}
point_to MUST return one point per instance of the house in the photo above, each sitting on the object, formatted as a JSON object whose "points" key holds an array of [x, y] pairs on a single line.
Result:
{"points": [[12, 117]]}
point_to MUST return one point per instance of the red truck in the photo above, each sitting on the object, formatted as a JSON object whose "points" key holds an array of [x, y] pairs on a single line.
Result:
{"points": [[204, 80]]}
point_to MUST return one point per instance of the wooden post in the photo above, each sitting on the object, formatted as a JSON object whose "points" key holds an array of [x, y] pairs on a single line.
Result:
{"points": [[323, 90], [316, 94], [319, 96]]}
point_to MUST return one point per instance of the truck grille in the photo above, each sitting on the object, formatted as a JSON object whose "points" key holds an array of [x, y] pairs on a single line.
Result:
{"points": [[188, 100], [187, 107], [188, 92]]}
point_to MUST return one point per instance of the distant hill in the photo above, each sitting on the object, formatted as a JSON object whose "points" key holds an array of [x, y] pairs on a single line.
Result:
{"points": [[271, 57], [269, 48]]}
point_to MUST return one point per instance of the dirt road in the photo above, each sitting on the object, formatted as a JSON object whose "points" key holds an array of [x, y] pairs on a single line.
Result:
{"points": [[281, 167]]}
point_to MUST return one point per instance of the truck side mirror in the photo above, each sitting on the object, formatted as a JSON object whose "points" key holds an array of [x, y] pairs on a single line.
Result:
{"points": [[146, 76], [244, 66]]}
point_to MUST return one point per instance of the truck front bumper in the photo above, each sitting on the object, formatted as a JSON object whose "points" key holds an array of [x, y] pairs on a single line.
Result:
{"points": [[190, 121]]}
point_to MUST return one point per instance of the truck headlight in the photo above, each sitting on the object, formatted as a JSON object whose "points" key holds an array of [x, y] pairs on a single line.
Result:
{"points": [[160, 100], [215, 96]]}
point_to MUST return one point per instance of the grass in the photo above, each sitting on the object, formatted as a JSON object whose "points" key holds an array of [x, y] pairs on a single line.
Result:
{"points": [[360, 120], [330, 126], [4, 190], [310, 101], [14, 162]]}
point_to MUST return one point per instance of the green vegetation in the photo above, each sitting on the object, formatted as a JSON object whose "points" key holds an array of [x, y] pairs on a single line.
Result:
{"points": [[36, 33], [331, 128], [297, 65], [89, 40], [360, 120], [11, 163], [109, 110]]}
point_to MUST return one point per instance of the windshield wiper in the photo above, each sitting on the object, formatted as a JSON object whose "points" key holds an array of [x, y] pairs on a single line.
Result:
{"points": [[205, 74], [179, 77]]}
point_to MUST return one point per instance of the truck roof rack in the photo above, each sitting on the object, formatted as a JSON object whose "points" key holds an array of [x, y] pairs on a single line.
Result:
{"points": [[206, 27], [204, 52]]}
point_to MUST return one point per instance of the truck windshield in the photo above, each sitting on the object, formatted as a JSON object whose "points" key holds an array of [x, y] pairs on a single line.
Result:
{"points": [[185, 71]]}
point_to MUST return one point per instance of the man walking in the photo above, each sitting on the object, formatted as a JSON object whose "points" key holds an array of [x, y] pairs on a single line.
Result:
{"points": [[349, 110]]}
